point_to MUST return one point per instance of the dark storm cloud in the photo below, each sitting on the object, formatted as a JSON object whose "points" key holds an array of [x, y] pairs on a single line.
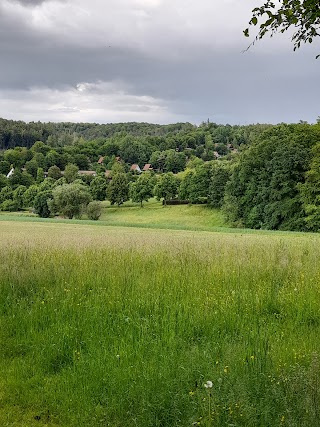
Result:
{"points": [[29, 60], [223, 84]]}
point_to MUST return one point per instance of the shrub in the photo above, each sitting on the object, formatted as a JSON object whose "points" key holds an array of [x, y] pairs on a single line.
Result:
{"points": [[41, 203], [9, 205], [94, 210]]}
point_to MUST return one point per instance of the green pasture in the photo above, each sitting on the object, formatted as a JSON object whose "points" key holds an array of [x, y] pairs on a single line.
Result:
{"points": [[123, 326], [152, 215]]}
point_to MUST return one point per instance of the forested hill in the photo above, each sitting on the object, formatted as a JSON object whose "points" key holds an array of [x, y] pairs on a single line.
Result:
{"points": [[261, 176], [20, 134]]}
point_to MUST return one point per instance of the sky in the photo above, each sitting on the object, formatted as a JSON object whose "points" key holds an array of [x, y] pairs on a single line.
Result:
{"points": [[157, 61]]}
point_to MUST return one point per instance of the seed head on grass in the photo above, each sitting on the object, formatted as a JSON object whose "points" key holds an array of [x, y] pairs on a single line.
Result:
{"points": [[208, 385]]}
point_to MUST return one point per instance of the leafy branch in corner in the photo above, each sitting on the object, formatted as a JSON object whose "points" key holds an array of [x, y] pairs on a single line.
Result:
{"points": [[302, 15]]}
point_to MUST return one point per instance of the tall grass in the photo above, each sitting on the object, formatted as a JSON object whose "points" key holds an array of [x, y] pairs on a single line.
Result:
{"points": [[128, 334]]}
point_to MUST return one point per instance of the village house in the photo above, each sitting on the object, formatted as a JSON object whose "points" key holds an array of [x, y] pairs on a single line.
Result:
{"points": [[10, 173], [147, 167], [80, 172], [88, 173], [135, 168]]}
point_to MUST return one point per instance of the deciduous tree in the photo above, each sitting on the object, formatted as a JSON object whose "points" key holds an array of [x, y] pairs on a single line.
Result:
{"points": [[70, 200], [41, 203], [310, 192], [141, 190], [54, 172], [18, 196], [220, 175], [303, 16], [118, 189], [166, 187], [71, 172], [98, 188]]}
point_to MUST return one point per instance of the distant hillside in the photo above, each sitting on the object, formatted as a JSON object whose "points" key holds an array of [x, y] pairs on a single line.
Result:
{"points": [[18, 133], [21, 134]]}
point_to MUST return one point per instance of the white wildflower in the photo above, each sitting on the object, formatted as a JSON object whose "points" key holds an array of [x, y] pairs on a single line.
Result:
{"points": [[208, 384]]}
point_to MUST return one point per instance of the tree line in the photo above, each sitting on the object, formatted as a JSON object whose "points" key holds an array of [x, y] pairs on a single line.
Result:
{"points": [[70, 194], [261, 176]]}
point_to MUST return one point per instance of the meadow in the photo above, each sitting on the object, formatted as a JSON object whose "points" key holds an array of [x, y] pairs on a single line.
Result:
{"points": [[152, 215], [123, 326]]}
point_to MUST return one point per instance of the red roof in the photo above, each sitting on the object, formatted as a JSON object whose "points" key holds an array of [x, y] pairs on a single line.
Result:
{"points": [[147, 167], [135, 167]]}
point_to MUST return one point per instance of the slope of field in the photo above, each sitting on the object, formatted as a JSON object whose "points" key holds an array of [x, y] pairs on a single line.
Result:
{"points": [[123, 326], [152, 215]]}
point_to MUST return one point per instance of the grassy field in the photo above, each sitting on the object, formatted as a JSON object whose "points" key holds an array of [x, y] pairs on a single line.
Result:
{"points": [[152, 215], [123, 326]]}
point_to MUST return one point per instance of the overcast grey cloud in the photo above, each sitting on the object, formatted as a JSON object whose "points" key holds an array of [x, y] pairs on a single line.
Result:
{"points": [[28, 2], [148, 60]]}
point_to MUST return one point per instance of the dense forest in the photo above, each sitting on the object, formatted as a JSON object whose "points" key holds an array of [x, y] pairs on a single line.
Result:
{"points": [[261, 176]]}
